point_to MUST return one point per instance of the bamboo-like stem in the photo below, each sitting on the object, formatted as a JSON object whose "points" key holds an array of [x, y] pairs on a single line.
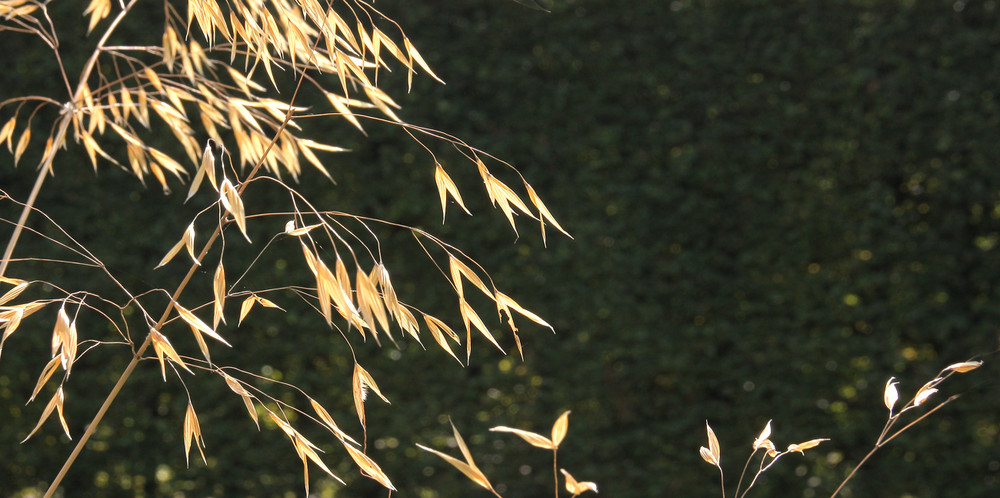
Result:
{"points": [[92, 426]]}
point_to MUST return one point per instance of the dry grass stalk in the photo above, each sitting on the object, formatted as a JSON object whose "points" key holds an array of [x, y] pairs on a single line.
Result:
{"points": [[203, 75], [713, 455], [890, 396], [559, 429]]}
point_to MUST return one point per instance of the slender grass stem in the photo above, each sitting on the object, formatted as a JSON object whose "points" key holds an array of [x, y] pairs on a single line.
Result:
{"points": [[555, 474], [722, 481], [16, 235], [97, 418], [882, 443], [744, 472]]}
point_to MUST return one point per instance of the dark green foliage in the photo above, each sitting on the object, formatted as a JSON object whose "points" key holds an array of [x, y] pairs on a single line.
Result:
{"points": [[776, 206]]}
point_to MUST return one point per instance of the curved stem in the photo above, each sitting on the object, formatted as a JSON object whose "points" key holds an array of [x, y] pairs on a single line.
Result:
{"points": [[722, 481], [760, 470], [744, 472], [854, 471], [886, 441]]}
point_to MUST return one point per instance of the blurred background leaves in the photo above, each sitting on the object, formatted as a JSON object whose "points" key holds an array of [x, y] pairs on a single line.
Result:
{"points": [[776, 206]]}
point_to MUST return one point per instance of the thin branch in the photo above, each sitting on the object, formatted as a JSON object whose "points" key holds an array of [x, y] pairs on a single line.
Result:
{"points": [[883, 443]]}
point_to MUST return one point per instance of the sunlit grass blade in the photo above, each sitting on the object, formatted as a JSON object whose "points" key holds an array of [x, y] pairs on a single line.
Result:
{"points": [[447, 187], [219, 292], [559, 428], [56, 402], [531, 437], [198, 324], [238, 388], [575, 487], [232, 202], [361, 383], [438, 330], [187, 241], [469, 316], [712, 454], [369, 467], [192, 431], [328, 421], [13, 293], [163, 349], [50, 368], [468, 467], [249, 302]]}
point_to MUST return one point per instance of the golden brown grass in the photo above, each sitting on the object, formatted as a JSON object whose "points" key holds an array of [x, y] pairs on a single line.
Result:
{"points": [[559, 430], [215, 71]]}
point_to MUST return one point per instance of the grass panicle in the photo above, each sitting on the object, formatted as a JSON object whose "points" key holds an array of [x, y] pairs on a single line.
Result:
{"points": [[233, 71], [770, 453]]}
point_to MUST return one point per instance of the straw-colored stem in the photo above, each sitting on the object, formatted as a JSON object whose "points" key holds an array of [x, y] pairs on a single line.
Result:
{"points": [[886, 441], [722, 481], [760, 470], [92, 426], [12, 242]]}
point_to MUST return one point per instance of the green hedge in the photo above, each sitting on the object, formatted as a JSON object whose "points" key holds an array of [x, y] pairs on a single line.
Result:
{"points": [[776, 206]]}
